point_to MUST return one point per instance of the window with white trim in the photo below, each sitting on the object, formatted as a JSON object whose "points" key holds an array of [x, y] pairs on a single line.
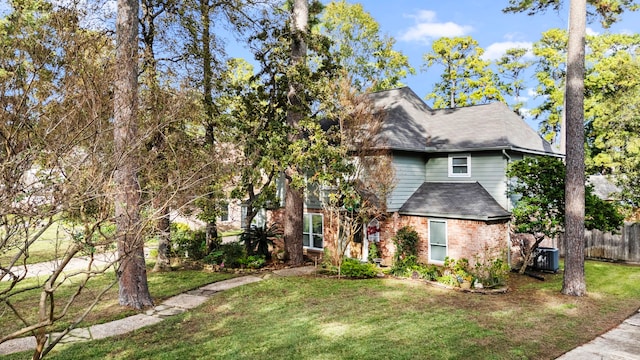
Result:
{"points": [[313, 231], [460, 165], [224, 212], [437, 240]]}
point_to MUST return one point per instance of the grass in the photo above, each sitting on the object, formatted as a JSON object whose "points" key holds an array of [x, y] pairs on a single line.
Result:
{"points": [[322, 318], [161, 286], [51, 245], [56, 239]]}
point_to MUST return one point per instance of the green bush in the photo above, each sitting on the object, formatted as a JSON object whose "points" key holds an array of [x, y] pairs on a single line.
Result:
{"points": [[403, 265], [492, 273], [186, 242], [450, 280], [409, 267], [233, 254], [215, 257], [257, 240], [406, 241], [353, 268], [253, 261], [373, 252]]}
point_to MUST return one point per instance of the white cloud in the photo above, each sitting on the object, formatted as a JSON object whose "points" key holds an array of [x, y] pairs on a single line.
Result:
{"points": [[427, 28], [591, 32], [526, 113], [496, 50], [531, 92]]}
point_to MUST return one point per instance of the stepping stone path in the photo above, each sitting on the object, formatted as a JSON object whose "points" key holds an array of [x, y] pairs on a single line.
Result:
{"points": [[170, 307]]}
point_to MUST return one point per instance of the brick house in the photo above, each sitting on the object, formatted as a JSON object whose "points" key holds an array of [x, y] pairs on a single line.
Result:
{"points": [[450, 178]]}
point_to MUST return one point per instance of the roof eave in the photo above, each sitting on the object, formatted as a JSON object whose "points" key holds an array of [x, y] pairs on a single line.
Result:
{"points": [[457, 216]]}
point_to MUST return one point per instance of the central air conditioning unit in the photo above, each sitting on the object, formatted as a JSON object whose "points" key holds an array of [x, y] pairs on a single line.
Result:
{"points": [[546, 259]]}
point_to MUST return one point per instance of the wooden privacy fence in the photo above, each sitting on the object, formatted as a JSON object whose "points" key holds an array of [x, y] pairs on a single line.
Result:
{"points": [[624, 246]]}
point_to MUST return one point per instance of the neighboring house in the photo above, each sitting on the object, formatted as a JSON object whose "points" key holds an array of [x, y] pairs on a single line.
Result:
{"points": [[450, 177]]}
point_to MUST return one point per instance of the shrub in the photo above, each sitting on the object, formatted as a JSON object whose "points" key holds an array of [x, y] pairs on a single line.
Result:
{"points": [[458, 270], [215, 257], [353, 268], [450, 280], [373, 252], [406, 241], [402, 265], [409, 267], [232, 254], [257, 240], [186, 242], [491, 267], [492, 273], [253, 261]]}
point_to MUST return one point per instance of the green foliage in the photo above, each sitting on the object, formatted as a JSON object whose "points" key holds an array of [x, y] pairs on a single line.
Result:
{"points": [[449, 280], [540, 209], [492, 273], [186, 242], [367, 57], [253, 261], [410, 268], [406, 241], [511, 68], [257, 240], [456, 269], [373, 252], [608, 11], [353, 268], [466, 78], [233, 255]]}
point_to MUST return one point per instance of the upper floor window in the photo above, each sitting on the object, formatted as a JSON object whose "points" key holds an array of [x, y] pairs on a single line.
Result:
{"points": [[460, 165]]}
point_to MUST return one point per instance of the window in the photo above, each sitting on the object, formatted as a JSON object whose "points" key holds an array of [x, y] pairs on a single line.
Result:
{"points": [[437, 240], [224, 212], [312, 232], [460, 165]]}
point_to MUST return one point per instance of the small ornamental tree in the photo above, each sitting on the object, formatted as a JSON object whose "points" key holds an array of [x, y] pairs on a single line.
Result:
{"points": [[540, 210]]}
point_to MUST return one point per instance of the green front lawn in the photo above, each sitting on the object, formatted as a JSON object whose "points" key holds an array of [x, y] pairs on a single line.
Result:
{"points": [[323, 318], [161, 286]]}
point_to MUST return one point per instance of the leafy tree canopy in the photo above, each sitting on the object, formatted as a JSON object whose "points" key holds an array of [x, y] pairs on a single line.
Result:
{"points": [[466, 78], [539, 182], [366, 56], [607, 11]]}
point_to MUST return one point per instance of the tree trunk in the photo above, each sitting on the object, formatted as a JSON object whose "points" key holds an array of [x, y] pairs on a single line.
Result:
{"points": [[528, 253], [294, 208], [163, 229], [211, 236], [132, 274], [294, 197], [574, 281]]}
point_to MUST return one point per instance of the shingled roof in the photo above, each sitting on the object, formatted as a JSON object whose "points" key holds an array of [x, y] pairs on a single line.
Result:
{"points": [[459, 200], [411, 125]]}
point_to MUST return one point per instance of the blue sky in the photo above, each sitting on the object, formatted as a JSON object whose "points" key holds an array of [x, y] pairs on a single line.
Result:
{"points": [[415, 24]]}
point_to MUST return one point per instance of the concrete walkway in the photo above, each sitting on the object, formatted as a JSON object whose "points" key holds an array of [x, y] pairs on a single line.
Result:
{"points": [[172, 306], [100, 261], [620, 343]]}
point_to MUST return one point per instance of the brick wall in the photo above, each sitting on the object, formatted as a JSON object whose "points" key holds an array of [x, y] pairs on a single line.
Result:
{"points": [[466, 238]]}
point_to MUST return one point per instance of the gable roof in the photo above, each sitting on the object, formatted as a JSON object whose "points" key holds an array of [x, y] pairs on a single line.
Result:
{"points": [[459, 200], [411, 125]]}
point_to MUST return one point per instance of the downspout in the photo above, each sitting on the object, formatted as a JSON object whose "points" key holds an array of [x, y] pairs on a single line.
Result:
{"points": [[509, 245]]}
